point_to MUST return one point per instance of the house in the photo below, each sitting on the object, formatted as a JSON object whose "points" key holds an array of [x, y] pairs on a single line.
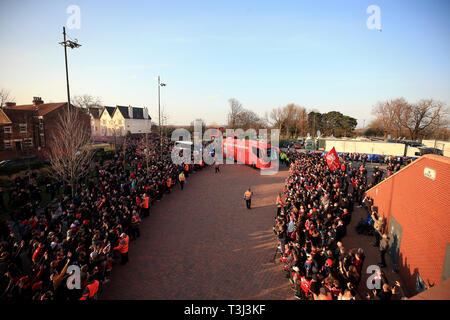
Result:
{"points": [[119, 120], [27, 129], [95, 113], [415, 201], [106, 123]]}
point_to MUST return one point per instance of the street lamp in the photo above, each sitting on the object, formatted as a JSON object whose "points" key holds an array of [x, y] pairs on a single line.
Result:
{"points": [[72, 45], [159, 114]]}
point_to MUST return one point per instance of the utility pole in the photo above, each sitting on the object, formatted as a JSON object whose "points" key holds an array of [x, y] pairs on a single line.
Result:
{"points": [[159, 115], [72, 44], [67, 72], [159, 118]]}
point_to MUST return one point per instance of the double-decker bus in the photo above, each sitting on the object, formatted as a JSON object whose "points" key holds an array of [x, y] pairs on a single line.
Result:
{"points": [[254, 153]]}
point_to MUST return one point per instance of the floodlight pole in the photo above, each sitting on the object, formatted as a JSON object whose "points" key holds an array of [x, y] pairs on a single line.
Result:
{"points": [[67, 72], [159, 117]]}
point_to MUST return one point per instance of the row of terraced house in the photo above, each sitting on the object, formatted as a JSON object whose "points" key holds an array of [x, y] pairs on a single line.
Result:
{"points": [[27, 129]]}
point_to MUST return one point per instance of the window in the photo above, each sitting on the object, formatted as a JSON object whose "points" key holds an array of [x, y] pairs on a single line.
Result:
{"points": [[42, 140], [23, 128], [256, 151], [28, 142], [41, 124], [7, 144], [7, 129]]}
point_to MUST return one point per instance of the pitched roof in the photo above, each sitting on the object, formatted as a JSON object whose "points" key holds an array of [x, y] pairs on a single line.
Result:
{"points": [[42, 109], [4, 118], [124, 111], [95, 112], [19, 115], [110, 110]]}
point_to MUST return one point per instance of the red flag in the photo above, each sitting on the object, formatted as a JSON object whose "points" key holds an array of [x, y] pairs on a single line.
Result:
{"points": [[333, 160]]}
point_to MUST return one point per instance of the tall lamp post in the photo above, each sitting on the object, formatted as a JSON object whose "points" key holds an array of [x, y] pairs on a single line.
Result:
{"points": [[159, 114], [72, 45]]}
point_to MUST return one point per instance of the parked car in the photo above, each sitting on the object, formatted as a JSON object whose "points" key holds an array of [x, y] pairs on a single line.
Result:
{"points": [[5, 163]]}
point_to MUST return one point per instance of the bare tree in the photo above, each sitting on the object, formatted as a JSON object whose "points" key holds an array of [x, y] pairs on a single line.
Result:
{"points": [[400, 118], [4, 97], [290, 119], [86, 101], [277, 118], [69, 155], [235, 113], [423, 117]]}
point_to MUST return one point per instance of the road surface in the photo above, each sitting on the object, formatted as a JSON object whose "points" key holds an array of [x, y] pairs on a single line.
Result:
{"points": [[203, 244]]}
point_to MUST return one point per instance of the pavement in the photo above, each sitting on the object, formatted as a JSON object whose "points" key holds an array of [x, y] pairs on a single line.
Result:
{"points": [[202, 243]]}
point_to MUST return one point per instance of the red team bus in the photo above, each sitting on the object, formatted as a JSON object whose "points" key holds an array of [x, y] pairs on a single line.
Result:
{"points": [[214, 132], [250, 152]]}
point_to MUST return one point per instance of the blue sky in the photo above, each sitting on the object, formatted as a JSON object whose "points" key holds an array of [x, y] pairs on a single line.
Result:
{"points": [[318, 54]]}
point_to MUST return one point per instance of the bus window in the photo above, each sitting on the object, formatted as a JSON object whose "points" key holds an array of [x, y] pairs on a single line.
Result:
{"points": [[273, 155], [255, 151]]}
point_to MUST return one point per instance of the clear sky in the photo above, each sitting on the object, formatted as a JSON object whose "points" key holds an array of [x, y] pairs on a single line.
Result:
{"points": [[318, 54]]}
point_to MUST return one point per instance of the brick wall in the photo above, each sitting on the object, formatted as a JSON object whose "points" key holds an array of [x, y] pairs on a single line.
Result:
{"points": [[422, 207], [16, 136]]}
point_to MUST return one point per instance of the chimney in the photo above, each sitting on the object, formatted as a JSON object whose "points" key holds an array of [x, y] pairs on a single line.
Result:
{"points": [[10, 104], [145, 112], [37, 101], [130, 112]]}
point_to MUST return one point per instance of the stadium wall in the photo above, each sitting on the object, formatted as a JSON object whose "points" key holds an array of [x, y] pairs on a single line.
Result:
{"points": [[416, 203]]}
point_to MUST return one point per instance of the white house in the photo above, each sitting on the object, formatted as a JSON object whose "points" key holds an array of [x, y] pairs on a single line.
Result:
{"points": [[106, 123], [95, 113], [119, 120]]}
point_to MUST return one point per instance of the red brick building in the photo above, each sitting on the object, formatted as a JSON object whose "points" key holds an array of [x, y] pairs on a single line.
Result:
{"points": [[416, 203], [26, 129]]}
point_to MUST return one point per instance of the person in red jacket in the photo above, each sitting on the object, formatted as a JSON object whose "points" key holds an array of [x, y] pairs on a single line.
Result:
{"points": [[145, 205], [123, 248], [91, 290]]}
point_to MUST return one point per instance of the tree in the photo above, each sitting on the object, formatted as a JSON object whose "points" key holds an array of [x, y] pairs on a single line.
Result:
{"points": [[331, 123], [4, 97], [397, 117], [235, 113], [301, 122], [69, 155], [291, 120], [86, 101], [277, 118], [387, 116], [315, 122], [241, 118], [423, 118]]}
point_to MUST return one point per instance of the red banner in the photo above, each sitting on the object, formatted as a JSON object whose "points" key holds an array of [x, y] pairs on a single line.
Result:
{"points": [[333, 160]]}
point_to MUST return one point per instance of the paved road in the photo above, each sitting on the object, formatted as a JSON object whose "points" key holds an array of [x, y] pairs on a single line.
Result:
{"points": [[202, 242]]}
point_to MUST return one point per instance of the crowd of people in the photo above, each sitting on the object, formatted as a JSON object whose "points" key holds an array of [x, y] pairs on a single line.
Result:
{"points": [[43, 249], [313, 214]]}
